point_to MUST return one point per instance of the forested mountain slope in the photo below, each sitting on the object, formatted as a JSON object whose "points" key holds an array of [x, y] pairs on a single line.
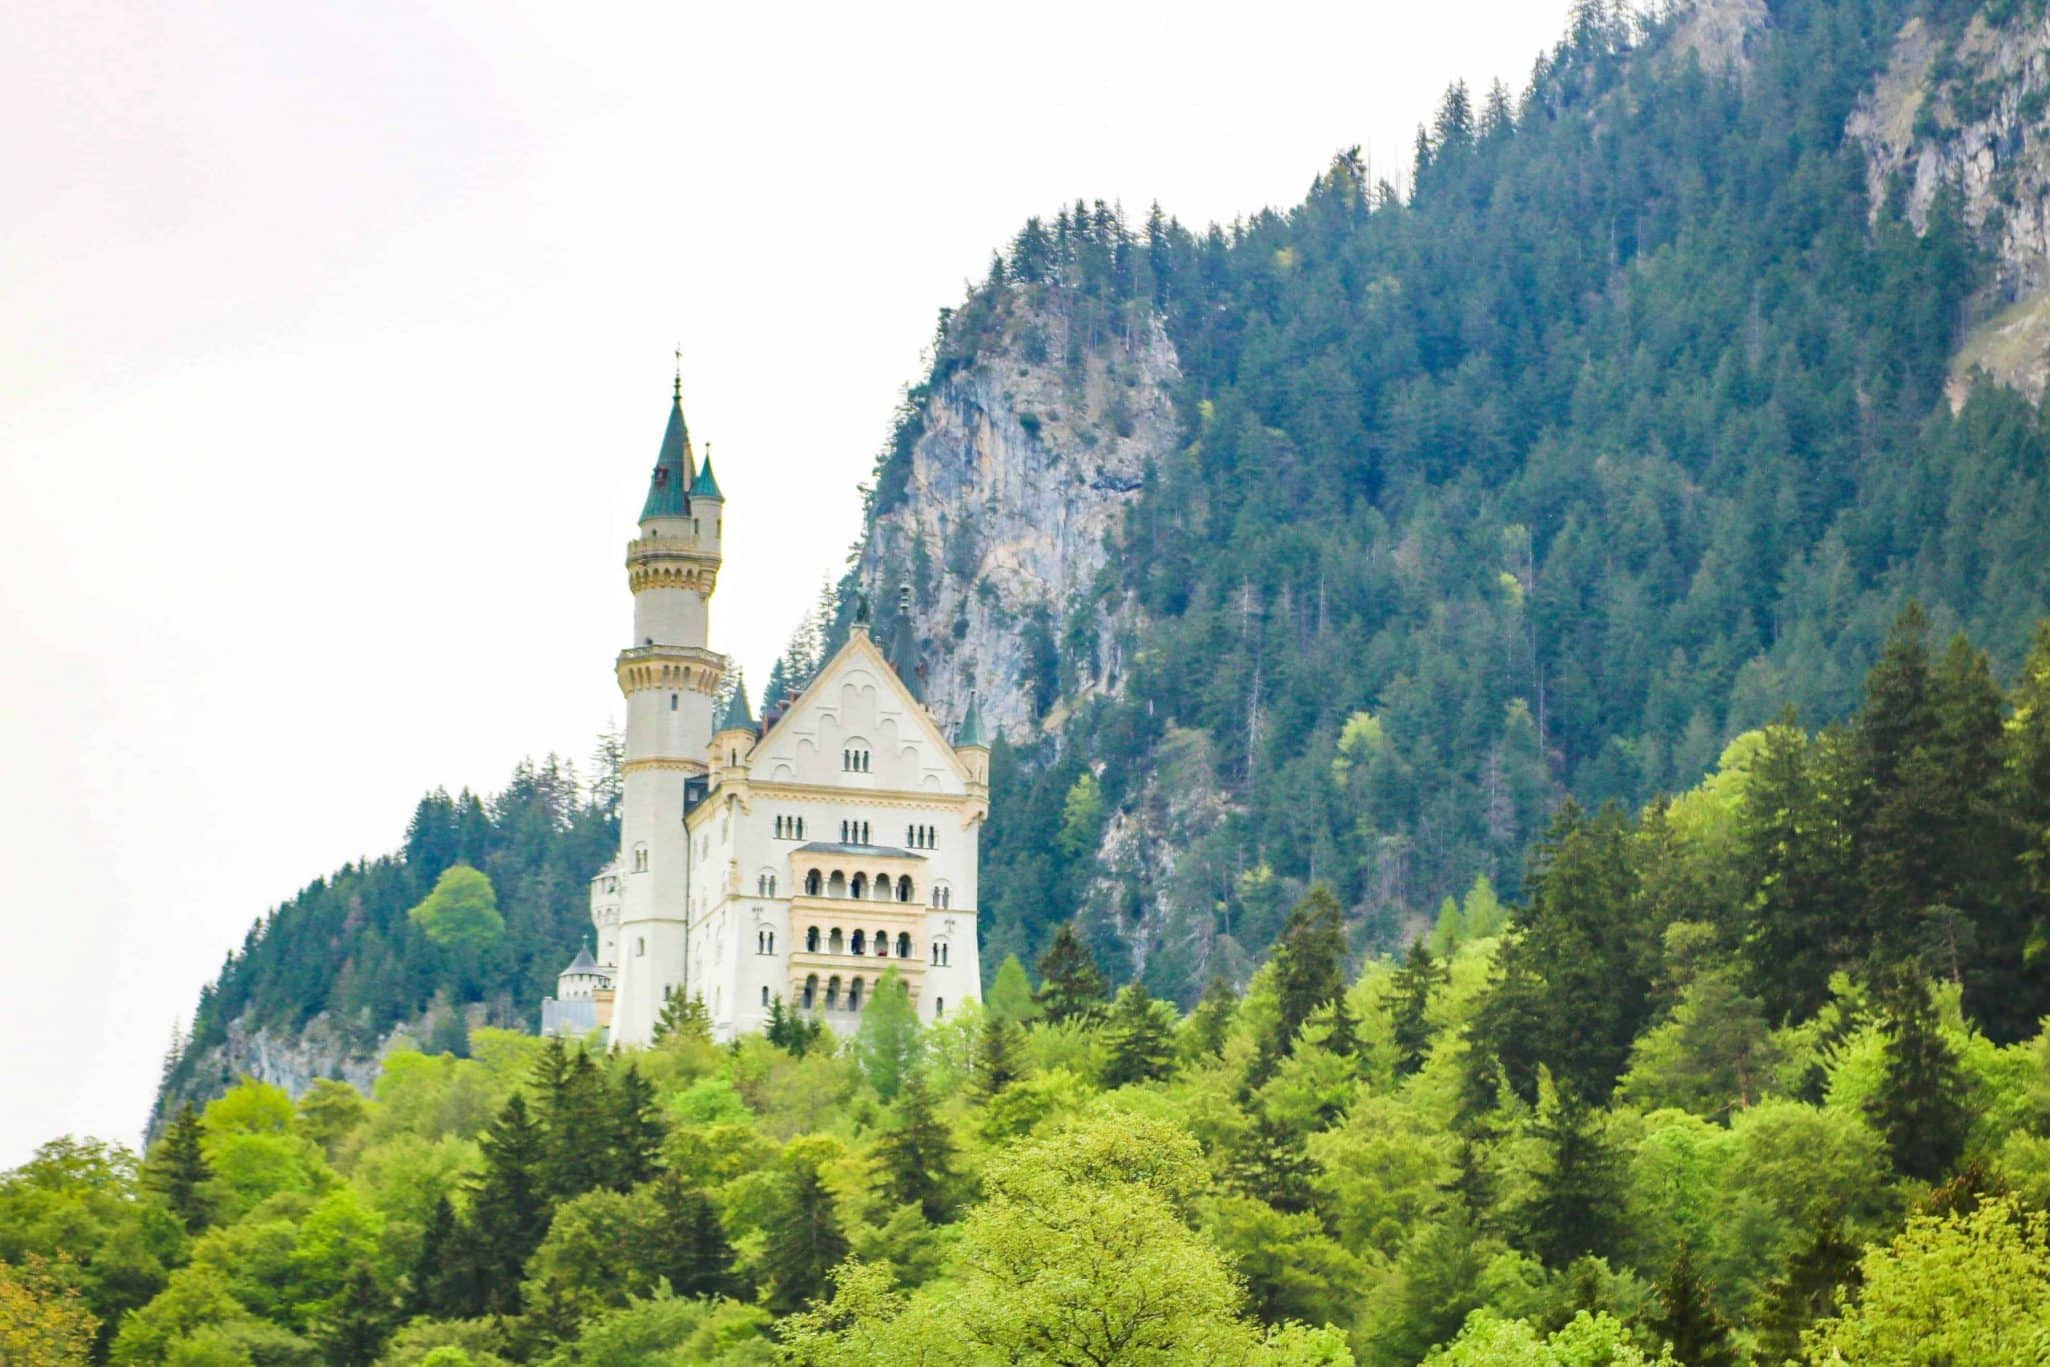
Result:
{"points": [[1620, 427]]}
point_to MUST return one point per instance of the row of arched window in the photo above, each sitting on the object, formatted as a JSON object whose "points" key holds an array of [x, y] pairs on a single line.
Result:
{"points": [[832, 1000], [833, 941], [882, 889], [854, 761], [790, 828], [921, 837], [942, 896], [939, 953], [765, 885], [854, 832], [765, 943]]}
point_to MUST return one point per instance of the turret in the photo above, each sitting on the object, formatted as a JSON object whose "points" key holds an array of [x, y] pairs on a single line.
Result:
{"points": [[735, 738], [902, 649], [971, 747]]}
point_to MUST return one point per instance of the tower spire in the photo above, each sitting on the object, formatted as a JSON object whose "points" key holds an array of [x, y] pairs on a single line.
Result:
{"points": [[675, 466]]}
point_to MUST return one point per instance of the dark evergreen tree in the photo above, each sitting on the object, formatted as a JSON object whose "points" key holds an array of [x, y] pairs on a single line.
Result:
{"points": [[1897, 822], [1411, 1031], [354, 1330], [1071, 987], [804, 1243], [792, 1030], [1573, 1212], [684, 1017], [178, 1170], [1919, 1108], [1820, 1273], [1309, 963], [915, 1156], [1801, 923], [1211, 1020], [579, 1122], [637, 1131], [997, 1061], [509, 1211], [439, 1288], [1687, 1318], [686, 1243], [1271, 1162], [1139, 1038], [2027, 920]]}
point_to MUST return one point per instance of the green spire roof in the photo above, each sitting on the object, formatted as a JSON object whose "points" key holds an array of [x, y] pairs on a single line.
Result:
{"points": [[704, 486], [969, 732], [737, 716], [669, 486]]}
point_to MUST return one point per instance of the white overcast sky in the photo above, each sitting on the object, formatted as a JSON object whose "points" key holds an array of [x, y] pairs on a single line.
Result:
{"points": [[335, 350]]}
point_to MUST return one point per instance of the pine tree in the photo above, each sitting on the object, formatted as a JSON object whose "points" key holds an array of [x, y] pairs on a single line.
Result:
{"points": [[509, 1210], [353, 1331], [805, 1241], [1271, 1162], [579, 1123], [438, 1288], [1071, 987], [997, 1062], [1211, 1021], [1819, 1273], [1919, 1108], [686, 1243], [684, 1018], [1896, 823], [1140, 1038], [1686, 1317], [1572, 1213], [1420, 975], [178, 1170], [916, 1156], [1010, 996], [792, 1030], [1309, 962], [889, 1042], [637, 1131], [2027, 788]]}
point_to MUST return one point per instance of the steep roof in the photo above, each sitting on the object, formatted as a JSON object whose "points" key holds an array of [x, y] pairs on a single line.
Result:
{"points": [[969, 732], [583, 963], [737, 717], [668, 487], [704, 486], [903, 649]]}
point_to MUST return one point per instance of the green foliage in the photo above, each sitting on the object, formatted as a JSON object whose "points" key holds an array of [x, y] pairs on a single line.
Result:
{"points": [[889, 1042], [461, 914], [1071, 987], [805, 1240], [1010, 993], [1140, 1034], [915, 1157]]}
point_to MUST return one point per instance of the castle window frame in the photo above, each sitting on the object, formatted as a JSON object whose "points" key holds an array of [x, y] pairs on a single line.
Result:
{"points": [[765, 994], [811, 939], [854, 995], [903, 944], [882, 944]]}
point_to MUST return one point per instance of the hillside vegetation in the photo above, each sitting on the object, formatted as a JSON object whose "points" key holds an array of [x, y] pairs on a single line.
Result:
{"points": [[1751, 1075], [1617, 431]]}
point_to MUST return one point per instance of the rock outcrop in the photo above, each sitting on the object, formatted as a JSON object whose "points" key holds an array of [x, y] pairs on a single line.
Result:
{"points": [[1967, 109], [1026, 458]]}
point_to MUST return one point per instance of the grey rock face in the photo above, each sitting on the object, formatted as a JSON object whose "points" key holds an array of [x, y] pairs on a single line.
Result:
{"points": [[1022, 469]]}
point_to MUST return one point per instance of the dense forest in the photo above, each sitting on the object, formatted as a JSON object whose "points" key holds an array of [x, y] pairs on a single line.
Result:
{"points": [[1616, 430], [1754, 1074]]}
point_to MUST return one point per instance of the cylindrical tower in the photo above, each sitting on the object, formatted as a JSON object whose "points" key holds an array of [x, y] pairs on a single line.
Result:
{"points": [[668, 676]]}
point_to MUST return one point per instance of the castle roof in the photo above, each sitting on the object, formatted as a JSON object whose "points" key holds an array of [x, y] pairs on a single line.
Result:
{"points": [[583, 963], [969, 732], [836, 847], [737, 717], [704, 486], [669, 486]]}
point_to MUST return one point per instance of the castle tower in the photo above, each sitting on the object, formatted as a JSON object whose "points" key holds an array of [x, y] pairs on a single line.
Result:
{"points": [[668, 676]]}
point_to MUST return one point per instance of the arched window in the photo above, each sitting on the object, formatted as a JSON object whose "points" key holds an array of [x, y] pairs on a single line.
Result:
{"points": [[761, 945], [811, 939], [946, 955], [903, 944], [672, 702], [883, 943], [640, 946], [772, 942], [859, 944], [833, 993], [765, 994], [854, 995], [640, 858], [864, 832], [834, 942], [939, 1007], [811, 883], [904, 888], [946, 897], [859, 888], [811, 991], [772, 885], [836, 886], [882, 887]]}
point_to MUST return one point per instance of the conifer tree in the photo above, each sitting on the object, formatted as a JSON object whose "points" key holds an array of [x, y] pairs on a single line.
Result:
{"points": [[686, 1243], [889, 1042], [1071, 987], [1896, 822], [2028, 802], [805, 1241], [353, 1331], [1140, 1036], [1819, 1273], [1420, 976], [916, 1155], [509, 1210], [1919, 1108], [1573, 1211], [1010, 996], [1271, 1162], [579, 1123], [438, 1288], [1309, 962], [685, 1017], [179, 1172], [1211, 1021], [997, 1061], [1687, 1319], [637, 1131]]}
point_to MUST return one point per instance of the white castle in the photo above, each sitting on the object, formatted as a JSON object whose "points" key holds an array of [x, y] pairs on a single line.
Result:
{"points": [[798, 858]]}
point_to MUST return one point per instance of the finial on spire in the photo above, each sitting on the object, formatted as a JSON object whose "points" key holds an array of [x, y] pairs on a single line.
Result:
{"points": [[678, 391]]}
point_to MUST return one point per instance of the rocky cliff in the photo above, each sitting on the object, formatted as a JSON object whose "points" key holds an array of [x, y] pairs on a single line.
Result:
{"points": [[1026, 454], [1966, 110]]}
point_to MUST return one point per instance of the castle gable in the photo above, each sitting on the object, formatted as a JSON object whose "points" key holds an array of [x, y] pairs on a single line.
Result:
{"points": [[858, 727]]}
